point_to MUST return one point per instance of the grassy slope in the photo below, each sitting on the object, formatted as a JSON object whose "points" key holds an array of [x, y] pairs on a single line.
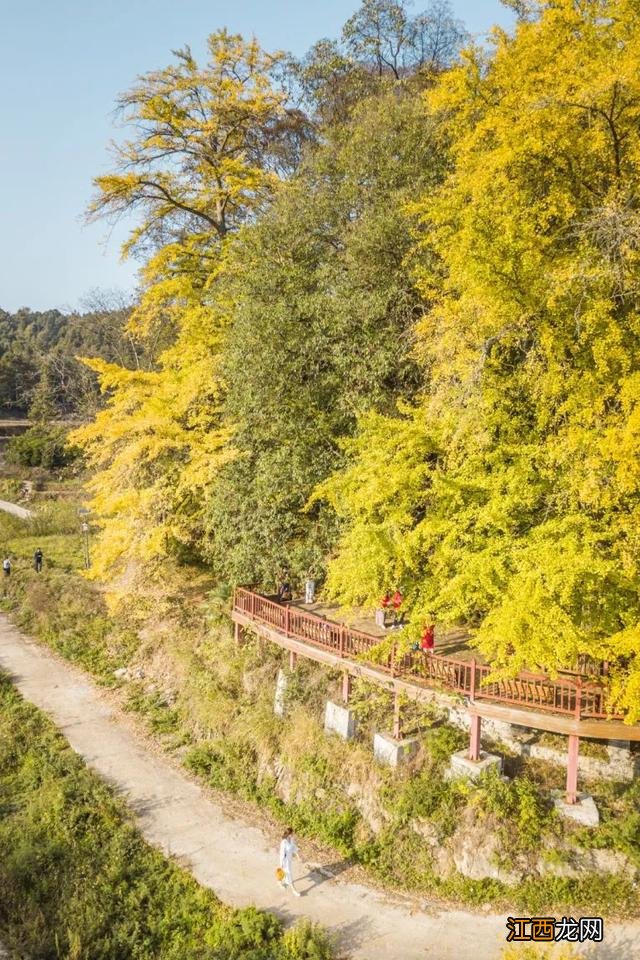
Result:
{"points": [[78, 881], [214, 704]]}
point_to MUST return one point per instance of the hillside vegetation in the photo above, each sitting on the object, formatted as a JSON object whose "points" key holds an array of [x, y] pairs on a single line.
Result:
{"points": [[78, 881], [210, 704], [395, 288]]}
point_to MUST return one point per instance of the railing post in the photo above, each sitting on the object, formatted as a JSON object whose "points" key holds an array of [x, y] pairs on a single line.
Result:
{"points": [[287, 621], [342, 639], [392, 660], [472, 691], [252, 605], [578, 708]]}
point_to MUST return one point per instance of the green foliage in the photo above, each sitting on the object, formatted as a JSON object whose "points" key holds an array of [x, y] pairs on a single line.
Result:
{"points": [[519, 803], [76, 879], [307, 941], [620, 823], [324, 304], [42, 446]]}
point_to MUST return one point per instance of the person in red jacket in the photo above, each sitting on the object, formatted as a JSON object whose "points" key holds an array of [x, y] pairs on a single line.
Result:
{"points": [[427, 640]]}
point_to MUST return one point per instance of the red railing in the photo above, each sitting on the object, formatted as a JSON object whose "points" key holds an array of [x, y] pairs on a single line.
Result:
{"points": [[572, 697]]}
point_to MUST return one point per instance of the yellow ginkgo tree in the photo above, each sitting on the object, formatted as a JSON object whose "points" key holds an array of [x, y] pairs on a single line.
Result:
{"points": [[509, 497], [208, 146]]}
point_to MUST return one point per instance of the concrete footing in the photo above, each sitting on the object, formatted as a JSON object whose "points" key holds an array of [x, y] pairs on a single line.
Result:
{"points": [[339, 719], [584, 811], [387, 749], [279, 701], [461, 766]]}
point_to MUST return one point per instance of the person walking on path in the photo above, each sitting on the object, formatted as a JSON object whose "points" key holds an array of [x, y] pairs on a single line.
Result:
{"points": [[6, 567], [37, 560], [288, 850]]}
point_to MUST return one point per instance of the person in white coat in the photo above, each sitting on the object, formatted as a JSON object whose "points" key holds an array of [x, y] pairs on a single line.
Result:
{"points": [[288, 850]]}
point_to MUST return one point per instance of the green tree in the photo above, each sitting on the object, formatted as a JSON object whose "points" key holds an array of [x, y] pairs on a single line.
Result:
{"points": [[323, 311]]}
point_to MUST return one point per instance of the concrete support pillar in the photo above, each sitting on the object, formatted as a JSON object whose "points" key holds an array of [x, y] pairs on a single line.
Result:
{"points": [[474, 738], [340, 720], [346, 687], [393, 752], [293, 659], [279, 702], [396, 715], [236, 633], [572, 768]]}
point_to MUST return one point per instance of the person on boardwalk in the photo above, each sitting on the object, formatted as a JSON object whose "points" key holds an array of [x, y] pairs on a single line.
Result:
{"points": [[396, 601], [385, 603], [284, 590], [427, 640], [6, 567], [288, 850], [37, 560]]}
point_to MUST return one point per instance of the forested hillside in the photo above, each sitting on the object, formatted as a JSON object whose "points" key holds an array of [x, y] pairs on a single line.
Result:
{"points": [[396, 288], [40, 370]]}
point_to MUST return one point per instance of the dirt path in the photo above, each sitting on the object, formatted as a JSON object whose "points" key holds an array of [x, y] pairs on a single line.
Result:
{"points": [[17, 511], [235, 858]]}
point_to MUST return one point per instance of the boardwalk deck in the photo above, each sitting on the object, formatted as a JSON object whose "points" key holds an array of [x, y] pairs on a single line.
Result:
{"points": [[567, 705]]}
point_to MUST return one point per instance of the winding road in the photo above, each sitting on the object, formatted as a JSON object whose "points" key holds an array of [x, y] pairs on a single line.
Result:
{"points": [[14, 509]]}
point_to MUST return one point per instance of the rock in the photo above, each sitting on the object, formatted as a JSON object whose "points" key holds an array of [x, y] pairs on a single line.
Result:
{"points": [[425, 829], [284, 781], [579, 863], [138, 674], [365, 799], [475, 856], [121, 673], [475, 849]]}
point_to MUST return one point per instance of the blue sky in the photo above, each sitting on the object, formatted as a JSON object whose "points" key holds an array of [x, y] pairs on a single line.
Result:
{"points": [[62, 64]]}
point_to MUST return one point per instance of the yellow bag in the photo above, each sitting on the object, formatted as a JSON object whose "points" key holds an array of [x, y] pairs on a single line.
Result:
{"points": [[280, 874]]}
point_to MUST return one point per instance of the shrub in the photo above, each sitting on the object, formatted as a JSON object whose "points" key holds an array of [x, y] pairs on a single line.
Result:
{"points": [[42, 446]]}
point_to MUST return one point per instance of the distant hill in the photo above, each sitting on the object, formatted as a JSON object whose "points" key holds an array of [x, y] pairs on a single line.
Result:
{"points": [[39, 372]]}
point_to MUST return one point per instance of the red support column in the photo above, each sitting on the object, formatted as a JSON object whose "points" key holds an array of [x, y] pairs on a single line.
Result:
{"points": [[346, 687], [293, 659], [572, 769], [474, 740], [472, 680], [396, 715]]}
